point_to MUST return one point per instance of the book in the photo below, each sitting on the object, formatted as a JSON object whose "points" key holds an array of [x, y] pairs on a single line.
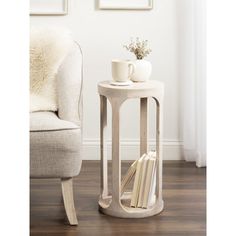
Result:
{"points": [[152, 195], [151, 166], [128, 176], [135, 192], [143, 179]]}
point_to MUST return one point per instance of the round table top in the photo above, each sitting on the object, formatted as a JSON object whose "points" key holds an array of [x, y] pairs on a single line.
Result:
{"points": [[150, 88]]}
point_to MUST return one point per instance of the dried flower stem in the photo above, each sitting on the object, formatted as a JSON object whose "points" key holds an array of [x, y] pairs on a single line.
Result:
{"points": [[139, 48]]}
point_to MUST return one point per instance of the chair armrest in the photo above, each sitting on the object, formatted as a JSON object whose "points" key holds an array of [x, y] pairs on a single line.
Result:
{"points": [[69, 86]]}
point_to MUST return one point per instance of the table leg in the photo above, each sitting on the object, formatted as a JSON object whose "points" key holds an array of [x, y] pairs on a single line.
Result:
{"points": [[116, 162], [159, 148], [143, 125], [103, 146]]}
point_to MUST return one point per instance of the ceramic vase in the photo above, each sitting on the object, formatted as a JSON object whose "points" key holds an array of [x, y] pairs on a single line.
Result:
{"points": [[143, 70]]}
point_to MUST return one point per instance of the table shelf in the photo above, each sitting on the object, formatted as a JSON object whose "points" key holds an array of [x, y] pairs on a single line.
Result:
{"points": [[127, 211]]}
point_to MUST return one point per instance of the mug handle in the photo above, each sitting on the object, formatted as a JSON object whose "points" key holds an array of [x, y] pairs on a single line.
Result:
{"points": [[132, 68]]}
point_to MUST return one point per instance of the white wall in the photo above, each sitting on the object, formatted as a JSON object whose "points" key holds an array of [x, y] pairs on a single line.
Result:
{"points": [[101, 34]]}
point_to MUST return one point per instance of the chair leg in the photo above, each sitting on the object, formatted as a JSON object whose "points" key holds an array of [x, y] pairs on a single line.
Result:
{"points": [[67, 193]]}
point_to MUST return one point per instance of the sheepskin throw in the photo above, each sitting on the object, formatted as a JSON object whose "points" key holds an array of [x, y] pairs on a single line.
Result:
{"points": [[48, 48]]}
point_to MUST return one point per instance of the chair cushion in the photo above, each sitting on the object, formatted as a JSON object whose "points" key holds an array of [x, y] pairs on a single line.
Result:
{"points": [[55, 146], [46, 121]]}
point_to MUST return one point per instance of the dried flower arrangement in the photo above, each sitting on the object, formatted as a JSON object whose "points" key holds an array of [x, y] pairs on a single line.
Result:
{"points": [[139, 48]]}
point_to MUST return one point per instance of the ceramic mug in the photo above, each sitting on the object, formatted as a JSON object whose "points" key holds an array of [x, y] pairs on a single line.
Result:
{"points": [[122, 70]]}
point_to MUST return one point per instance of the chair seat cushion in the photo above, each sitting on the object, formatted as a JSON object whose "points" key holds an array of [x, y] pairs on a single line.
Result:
{"points": [[55, 146], [48, 121]]}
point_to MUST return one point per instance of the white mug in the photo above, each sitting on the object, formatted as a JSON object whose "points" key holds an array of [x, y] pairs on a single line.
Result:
{"points": [[122, 70]]}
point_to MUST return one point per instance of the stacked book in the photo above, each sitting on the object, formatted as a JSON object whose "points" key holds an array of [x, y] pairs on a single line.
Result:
{"points": [[144, 172]]}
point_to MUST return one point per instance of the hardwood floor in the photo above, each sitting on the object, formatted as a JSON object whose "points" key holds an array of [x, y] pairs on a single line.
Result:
{"points": [[184, 193]]}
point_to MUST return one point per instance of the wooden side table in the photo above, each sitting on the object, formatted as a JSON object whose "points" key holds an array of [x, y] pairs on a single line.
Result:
{"points": [[116, 205]]}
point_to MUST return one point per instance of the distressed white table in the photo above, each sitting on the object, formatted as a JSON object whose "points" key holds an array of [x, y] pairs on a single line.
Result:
{"points": [[115, 204]]}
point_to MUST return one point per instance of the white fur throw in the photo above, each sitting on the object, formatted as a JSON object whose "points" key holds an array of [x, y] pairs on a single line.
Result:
{"points": [[48, 48]]}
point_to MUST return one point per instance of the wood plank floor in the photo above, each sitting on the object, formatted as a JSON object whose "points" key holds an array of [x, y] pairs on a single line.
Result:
{"points": [[184, 193]]}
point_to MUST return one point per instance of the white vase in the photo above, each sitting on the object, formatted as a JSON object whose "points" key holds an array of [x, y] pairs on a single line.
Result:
{"points": [[143, 70]]}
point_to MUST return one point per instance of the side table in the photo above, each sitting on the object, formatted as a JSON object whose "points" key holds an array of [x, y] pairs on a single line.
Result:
{"points": [[114, 204]]}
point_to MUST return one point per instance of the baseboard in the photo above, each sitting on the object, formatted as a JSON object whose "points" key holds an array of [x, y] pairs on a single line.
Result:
{"points": [[172, 149]]}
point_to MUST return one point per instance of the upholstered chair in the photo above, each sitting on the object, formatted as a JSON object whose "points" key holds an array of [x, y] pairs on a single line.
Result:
{"points": [[55, 137]]}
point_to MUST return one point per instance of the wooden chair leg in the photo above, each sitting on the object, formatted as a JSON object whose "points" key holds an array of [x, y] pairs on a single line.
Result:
{"points": [[67, 193]]}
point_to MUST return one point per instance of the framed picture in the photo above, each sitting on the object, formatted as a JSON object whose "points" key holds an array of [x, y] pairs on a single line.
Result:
{"points": [[126, 4], [48, 7]]}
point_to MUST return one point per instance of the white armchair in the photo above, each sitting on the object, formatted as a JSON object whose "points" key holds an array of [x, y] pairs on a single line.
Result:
{"points": [[55, 137]]}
